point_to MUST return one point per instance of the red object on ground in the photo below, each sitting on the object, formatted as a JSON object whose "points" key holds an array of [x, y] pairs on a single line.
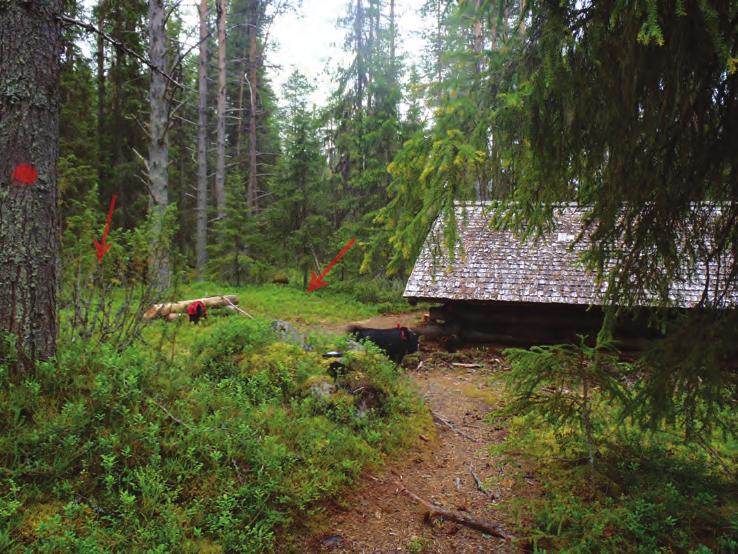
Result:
{"points": [[192, 308], [25, 174]]}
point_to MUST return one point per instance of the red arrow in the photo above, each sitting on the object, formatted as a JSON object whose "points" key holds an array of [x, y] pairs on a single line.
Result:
{"points": [[316, 281], [102, 248]]}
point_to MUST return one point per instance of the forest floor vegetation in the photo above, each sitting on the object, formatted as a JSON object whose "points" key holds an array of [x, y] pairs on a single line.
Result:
{"points": [[208, 438], [647, 492], [219, 437]]}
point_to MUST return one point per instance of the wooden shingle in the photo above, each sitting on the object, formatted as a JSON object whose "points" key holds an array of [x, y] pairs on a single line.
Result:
{"points": [[493, 265]]}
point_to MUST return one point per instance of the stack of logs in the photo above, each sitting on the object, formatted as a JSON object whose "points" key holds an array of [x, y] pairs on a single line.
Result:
{"points": [[174, 310]]}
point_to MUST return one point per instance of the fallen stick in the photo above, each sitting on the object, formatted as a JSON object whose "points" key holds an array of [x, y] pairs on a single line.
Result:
{"points": [[478, 481], [459, 364], [445, 422], [239, 310], [435, 512]]}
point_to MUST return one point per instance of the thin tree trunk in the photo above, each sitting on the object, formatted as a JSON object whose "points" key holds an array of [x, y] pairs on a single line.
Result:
{"points": [[253, 76], [478, 39], [521, 21], [30, 37], [393, 38], [478, 47], [158, 144], [373, 31], [439, 51], [240, 129], [360, 70], [100, 91], [202, 145], [220, 164]]}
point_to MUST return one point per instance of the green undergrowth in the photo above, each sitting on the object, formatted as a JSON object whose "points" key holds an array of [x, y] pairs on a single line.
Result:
{"points": [[292, 303], [217, 441], [647, 492]]}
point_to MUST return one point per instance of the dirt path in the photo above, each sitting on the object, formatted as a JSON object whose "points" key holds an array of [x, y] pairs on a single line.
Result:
{"points": [[376, 517]]}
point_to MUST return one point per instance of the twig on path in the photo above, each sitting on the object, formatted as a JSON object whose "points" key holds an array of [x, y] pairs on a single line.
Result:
{"points": [[445, 422], [468, 521], [478, 481], [470, 366]]}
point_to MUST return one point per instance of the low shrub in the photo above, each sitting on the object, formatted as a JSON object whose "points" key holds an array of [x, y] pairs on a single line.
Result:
{"points": [[119, 451], [612, 480]]}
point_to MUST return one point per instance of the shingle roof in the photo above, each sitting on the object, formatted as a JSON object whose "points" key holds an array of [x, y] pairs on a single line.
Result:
{"points": [[498, 266]]}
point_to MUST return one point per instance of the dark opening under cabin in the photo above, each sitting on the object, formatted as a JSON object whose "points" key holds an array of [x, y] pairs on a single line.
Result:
{"points": [[499, 288]]}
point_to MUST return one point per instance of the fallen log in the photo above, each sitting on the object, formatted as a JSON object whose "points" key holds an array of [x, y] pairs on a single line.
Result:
{"points": [[163, 310], [435, 512]]}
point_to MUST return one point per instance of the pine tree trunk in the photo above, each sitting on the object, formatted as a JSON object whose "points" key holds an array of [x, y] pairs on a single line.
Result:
{"points": [[30, 37], [393, 38], [253, 76], [439, 52], [158, 143], [220, 163], [100, 92], [478, 53], [360, 69], [202, 145], [521, 20]]}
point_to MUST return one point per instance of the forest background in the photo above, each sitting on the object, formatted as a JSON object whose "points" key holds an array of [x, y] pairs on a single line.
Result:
{"points": [[628, 108]]}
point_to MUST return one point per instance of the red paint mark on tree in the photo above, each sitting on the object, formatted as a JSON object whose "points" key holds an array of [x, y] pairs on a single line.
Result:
{"points": [[102, 247], [25, 174]]}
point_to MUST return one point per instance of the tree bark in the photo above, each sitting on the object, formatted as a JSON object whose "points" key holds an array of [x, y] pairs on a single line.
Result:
{"points": [[30, 39], [360, 69], [100, 91], [220, 164], [202, 145], [393, 39], [158, 144], [253, 76]]}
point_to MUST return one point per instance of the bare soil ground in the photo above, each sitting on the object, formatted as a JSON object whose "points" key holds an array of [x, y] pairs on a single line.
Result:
{"points": [[377, 517]]}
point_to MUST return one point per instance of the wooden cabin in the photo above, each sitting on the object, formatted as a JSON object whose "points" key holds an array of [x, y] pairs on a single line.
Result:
{"points": [[499, 288]]}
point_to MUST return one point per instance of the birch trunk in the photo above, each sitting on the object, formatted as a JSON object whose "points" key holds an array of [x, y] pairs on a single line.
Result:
{"points": [[30, 37], [158, 144], [202, 145], [220, 164]]}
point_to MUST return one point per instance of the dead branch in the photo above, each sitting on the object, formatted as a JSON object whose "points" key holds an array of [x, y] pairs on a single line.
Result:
{"points": [[239, 310], [473, 523], [238, 470], [171, 416], [447, 423], [118, 44], [478, 481]]}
